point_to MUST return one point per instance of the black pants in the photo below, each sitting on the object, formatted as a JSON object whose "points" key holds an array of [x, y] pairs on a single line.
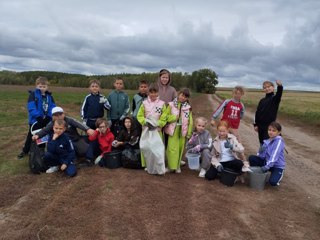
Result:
{"points": [[263, 133]]}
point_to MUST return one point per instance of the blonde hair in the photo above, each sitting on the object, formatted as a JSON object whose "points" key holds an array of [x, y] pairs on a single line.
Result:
{"points": [[42, 81], [265, 83], [223, 123], [94, 81], [200, 119], [238, 89]]}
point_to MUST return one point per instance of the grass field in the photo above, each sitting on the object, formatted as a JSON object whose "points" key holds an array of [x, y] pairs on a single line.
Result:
{"points": [[296, 106]]}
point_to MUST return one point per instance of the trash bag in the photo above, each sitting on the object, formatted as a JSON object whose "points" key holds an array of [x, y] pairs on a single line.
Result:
{"points": [[131, 158], [36, 160]]}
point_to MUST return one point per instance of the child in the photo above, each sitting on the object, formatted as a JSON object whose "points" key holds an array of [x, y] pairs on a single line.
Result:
{"points": [[120, 106], [166, 92], [128, 137], [267, 109], [152, 109], [80, 145], [104, 137], [93, 105], [179, 128], [201, 142], [225, 151], [271, 155], [137, 101], [233, 110], [40, 105], [60, 150]]}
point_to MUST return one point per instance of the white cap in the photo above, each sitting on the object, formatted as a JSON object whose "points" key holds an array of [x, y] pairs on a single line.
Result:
{"points": [[57, 110]]}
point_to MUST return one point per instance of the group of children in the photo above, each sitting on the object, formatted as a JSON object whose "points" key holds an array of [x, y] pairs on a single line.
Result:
{"points": [[158, 112]]}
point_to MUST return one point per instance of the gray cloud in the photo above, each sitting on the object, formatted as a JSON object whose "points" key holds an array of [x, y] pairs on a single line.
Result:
{"points": [[244, 42]]}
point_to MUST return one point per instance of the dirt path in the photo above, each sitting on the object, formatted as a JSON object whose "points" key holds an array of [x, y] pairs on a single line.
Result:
{"points": [[130, 204]]}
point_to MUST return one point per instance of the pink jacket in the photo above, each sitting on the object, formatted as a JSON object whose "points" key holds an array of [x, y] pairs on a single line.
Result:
{"points": [[184, 117]]}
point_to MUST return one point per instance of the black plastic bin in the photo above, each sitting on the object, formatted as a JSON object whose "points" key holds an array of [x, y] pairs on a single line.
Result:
{"points": [[228, 177], [111, 160]]}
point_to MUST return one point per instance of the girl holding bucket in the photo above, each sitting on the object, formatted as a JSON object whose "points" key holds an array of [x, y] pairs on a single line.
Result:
{"points": [[271, 155], [201, 142], [226, 152], [179, 128]]}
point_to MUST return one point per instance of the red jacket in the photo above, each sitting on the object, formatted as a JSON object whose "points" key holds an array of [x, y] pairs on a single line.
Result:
{"points": [[105, 140]]}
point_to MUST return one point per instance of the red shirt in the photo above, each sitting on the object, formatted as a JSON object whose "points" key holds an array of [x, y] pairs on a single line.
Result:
{"points": [[105, 140]]}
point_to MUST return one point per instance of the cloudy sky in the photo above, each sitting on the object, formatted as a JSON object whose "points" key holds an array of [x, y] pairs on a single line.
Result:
{"points": [[244, 42]]}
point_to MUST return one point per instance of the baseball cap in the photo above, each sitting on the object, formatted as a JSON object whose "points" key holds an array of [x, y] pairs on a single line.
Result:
{"points": [[57, 110]]}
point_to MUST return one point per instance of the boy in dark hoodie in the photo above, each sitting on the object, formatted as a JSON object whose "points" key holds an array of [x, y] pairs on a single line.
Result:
{"points": [[267, 109], [137, 101]]}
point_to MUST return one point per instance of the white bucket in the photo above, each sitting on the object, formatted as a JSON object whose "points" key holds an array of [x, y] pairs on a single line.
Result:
{"points": [[193, 160], [257, 178]]}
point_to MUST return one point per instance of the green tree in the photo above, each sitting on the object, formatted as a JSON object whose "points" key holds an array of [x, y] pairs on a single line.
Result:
{"points": [[204, 80]]}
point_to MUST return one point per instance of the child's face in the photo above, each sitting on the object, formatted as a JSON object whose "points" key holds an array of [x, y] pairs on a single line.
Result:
{"points": [[94, 88], [237, 95], [42, 87], [273, 132], [267, 88], [223, 132], [118, 85], [57, 116], [153, 96], [58, 129], [164, 79], [143, 88], [127, 123], [200, 126], [103, 127], [182, 98]]}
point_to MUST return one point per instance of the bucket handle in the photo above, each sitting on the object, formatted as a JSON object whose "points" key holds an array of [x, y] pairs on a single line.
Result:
{"points": [[33, 132]]}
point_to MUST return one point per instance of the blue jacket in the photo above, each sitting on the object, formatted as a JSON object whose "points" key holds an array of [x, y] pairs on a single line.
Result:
{"points": [[120, 105], [35, 106], [273, 152], [62, 147], [93, 106]]}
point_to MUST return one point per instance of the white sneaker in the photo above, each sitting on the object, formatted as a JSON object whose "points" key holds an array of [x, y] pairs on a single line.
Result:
{"points": [[97, 160], [202, 173], [168, 170], [146, 169], [178, 170], [182, 163], [52, 169]]}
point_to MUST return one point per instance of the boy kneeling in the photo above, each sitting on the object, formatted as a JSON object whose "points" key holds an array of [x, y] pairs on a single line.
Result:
{"points": [[60, 151]]}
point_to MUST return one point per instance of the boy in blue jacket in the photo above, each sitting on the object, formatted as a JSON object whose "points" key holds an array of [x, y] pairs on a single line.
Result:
{"points": [[120, 106], [40, 104], [60, 151], [271, 155]]}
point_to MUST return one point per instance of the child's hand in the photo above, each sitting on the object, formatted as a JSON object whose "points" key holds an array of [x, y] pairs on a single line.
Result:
{"points": [[55, 136], [35, 137], [196, 149], [213, 123], [63, 167], [278, 82], [90, 132]]}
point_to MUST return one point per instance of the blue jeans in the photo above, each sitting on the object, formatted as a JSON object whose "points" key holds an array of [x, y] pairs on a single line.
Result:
{"points": [[276, 173]]}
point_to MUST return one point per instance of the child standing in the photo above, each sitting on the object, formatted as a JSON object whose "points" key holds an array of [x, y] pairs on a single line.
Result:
{"points": [[60, 151], [40, 104], [271, 155], [179, 128], [201, 142], [225, 151], [93, 105], [104, 137], [267, 109], [166, 92], [120, 106], [137, 101], [152, 109], [233, 110]]}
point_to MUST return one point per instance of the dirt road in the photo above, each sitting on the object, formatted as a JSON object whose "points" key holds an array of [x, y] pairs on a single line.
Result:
{"points": [[130, 204]]}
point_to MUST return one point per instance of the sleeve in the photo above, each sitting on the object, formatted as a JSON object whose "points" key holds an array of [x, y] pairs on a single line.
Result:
{"points": [[47, 130], [257, 114], [140, 116], [84, 109], [242, 111], [77, 124], [218, 111], [133, 105], [208, 142], [68, 154], [106, 104], [277, 97], [170, 117], [190, 127], [32, 106], [237, 147], [127, 106], [163, 118], [94, 136], [215, 160], [274, 156]]}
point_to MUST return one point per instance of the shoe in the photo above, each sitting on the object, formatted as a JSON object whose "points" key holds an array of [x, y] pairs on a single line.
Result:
{"points": [[182, 163], [88, 162], [168, 170], [146, 169], [21, 155], [52, 169], [178, 170], [98, 159], [202, 173]]}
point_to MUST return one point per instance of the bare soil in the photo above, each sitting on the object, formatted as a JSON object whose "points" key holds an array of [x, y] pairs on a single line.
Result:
{"points": [[101, 203]]}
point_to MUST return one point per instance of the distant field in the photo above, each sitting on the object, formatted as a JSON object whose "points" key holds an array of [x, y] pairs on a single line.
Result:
{"points": [[301, 106]]}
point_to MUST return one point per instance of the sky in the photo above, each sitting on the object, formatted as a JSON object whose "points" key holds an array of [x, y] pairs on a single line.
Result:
{"points": [[244, 42]]}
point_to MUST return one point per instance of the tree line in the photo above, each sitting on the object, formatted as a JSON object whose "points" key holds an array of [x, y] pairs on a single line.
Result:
{"points": [[203, 80]]}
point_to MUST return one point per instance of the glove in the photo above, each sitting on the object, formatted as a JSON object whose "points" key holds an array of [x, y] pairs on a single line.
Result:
{"points": [[227, 144], [264, 169], [196, 149], [193, 137], [220, 168]]}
